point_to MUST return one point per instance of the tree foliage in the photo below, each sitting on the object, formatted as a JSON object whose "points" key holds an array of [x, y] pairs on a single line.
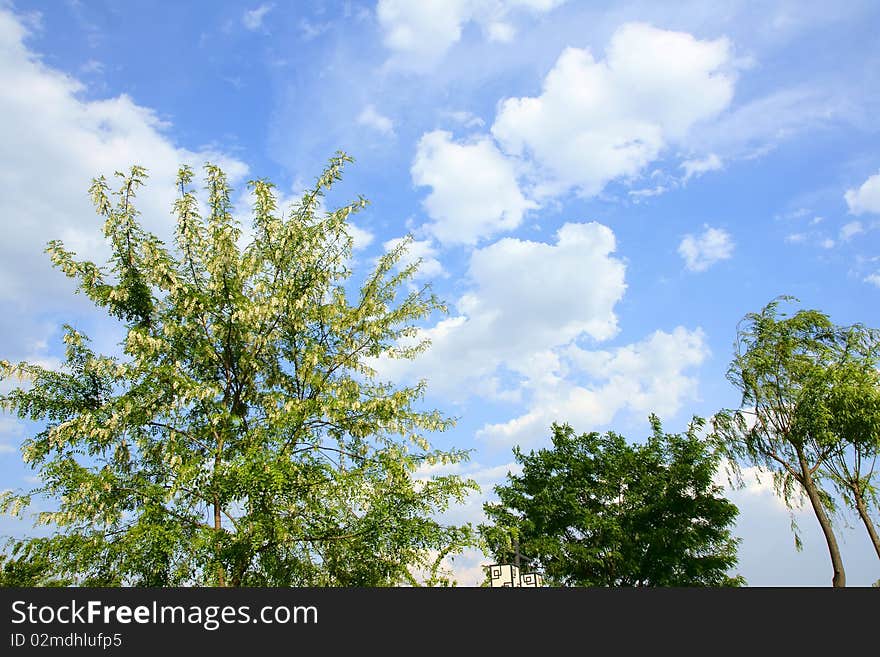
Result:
{"points": [[27, 572], [809, 409], [595, 510], [844, 404], [241, 437]]}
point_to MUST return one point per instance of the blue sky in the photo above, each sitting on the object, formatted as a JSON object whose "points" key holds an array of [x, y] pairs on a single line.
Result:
{"points": [[599, 191]]}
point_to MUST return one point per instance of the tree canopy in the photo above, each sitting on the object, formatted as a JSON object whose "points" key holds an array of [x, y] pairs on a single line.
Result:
{"points": [[596, 510], [844, 404], [240, 437], [809, 410]]}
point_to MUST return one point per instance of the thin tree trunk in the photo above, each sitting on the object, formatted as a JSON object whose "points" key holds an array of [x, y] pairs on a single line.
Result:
{"points": [[839, 577], [218, 526], [869, 524], [218, 520]]}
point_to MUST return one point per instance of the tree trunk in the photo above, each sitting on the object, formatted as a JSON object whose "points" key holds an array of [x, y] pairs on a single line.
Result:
{"points": [[869, 525], [218, 526], [218, 520], [839, 577]]}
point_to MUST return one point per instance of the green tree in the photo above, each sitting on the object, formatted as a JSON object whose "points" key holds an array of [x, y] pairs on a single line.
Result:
{"points": [[594, 510], [27, 572], [842, 402], [795, 375], [242, 438]]}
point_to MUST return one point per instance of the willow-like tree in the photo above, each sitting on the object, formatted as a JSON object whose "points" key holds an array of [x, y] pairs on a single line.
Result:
{"points": [[807, 411], [241, 438], [843, 402]]}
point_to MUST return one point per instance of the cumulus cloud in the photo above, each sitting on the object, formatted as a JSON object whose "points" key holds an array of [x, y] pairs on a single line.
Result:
{"points": [[54, 143], [702, 251], [422, 251], [865, 199], [598, 120], [252, 19], [487, 477], [516, 336], [419, 33], [644, 377], [474, 190], [371, 118], [756, 482], [361, 237], [526, 298]]}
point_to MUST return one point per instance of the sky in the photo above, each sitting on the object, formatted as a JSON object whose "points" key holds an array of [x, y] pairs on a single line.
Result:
{"points": [[599, 191]]}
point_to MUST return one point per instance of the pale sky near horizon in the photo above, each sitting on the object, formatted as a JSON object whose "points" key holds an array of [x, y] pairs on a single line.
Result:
{"points": [[599, 191]]}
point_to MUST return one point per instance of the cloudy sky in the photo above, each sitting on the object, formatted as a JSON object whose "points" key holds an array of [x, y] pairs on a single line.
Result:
{"points": [[599, 190]]}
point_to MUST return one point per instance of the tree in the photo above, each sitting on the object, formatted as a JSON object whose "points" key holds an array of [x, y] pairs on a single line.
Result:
{"points": [[594, 510], [242, 437], [26, 572], [843, 403], [796, 376]]}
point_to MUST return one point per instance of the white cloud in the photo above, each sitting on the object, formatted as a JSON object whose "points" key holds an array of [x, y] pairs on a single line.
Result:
{"points": [[850, 230], [647, 192], [821, 238], [54, 143], [501, 32], [361, 237], [697, 167], [756, 482], [526, 299], [378, 122], [598, 120], [644, 377], [474, 191], [486, 476], [252, 19], [865, 199], [423, 250], [873, 279], [419, 33], [702, 251], [467, 566], [555, 292]]}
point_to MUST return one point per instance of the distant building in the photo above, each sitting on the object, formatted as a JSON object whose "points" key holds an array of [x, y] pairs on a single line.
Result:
{"points": [[508, 575]]}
